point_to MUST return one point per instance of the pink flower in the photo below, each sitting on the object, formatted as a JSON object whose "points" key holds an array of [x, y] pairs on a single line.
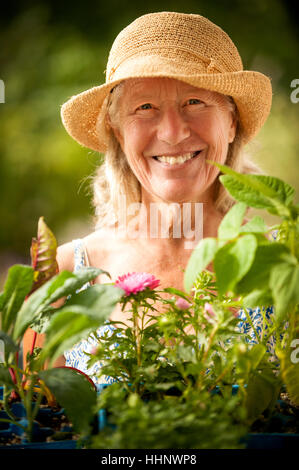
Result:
{"points": [[182, 303], [132, 283], [209, 309]]}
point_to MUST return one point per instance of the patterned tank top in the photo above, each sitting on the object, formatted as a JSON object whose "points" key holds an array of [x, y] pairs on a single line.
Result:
{"points": [[76, 357]]}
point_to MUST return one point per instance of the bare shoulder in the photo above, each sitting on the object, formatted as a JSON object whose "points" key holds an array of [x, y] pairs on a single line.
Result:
{"points": [[99, 244], [65, 257]]}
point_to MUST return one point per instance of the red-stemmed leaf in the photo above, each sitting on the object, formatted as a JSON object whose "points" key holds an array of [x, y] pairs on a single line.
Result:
{"points": [[43, 255]]}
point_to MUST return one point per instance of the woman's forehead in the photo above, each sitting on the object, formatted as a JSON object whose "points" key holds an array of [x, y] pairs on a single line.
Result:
{"points": [[153, 86]]}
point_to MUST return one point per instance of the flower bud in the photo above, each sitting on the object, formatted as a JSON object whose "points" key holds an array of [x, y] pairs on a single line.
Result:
{"points": [[182, 303]]}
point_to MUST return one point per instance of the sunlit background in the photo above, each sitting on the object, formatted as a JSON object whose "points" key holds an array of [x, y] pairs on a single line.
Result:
{"points": [[51, 50]]}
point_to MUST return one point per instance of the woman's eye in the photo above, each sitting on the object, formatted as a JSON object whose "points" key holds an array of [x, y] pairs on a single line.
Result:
{"points": [[194, 101], [145, 106]]}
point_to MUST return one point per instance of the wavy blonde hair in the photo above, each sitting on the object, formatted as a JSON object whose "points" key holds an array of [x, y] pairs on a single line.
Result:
{"points": [[114, 177]]}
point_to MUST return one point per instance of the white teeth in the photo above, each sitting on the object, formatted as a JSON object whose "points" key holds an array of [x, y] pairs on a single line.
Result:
{"points": [[174, 160]]}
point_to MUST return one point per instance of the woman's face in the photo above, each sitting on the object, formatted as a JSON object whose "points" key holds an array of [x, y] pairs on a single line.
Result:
{"points": [[167, 130]]}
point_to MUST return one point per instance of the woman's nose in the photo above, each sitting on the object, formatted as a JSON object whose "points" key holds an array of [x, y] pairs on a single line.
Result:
{"points": [[172, 128]]}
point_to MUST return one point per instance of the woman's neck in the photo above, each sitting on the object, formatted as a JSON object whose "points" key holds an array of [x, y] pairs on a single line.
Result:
{"points": [[174, 225]]}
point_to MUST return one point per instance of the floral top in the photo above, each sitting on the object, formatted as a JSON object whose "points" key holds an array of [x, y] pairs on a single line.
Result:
{"points": [[77, 358]]}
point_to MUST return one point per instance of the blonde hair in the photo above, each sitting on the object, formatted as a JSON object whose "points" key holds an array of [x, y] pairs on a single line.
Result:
{"points": [[114, 177]]}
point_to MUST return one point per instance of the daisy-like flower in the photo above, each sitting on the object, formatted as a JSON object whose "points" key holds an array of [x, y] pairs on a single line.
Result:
{"points": [[132, 283]]}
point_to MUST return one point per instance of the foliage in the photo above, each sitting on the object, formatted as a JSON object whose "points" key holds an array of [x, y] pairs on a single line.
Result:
{"points": [[190, 376], [175, 375], [27, 301]]}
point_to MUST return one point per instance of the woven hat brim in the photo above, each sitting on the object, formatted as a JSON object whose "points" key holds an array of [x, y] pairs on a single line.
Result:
{"points": [[251, 91]]}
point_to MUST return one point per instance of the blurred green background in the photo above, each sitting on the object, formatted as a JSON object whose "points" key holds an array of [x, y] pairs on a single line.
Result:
{"points": [[51, 50]]}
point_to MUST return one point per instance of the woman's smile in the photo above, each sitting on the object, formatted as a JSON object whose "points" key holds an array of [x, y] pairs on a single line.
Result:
{"points": [[181, 161]]}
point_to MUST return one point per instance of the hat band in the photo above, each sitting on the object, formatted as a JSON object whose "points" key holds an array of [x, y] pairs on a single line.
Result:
{"points": [[207, 64]]}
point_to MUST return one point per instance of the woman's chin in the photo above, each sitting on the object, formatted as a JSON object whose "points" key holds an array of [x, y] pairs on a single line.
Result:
{"points": [[175, 196]]}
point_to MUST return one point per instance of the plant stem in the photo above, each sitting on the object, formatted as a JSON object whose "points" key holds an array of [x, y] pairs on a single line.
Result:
{"points": [[5, 404], [136, 333]]}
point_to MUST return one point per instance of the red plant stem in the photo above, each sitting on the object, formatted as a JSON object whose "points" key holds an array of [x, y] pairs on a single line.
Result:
{"points": [[33, 343], [14, 394]]}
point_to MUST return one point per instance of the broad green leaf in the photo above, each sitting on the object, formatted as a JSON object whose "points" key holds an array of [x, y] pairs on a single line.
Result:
{"points": [[258, 297], [289, 367], [61, 285], [43, 254], [17, 286], [74, 393], [257, 278], [201, 256], [5, 377], [233, 261], [284, 283], [260, 391], [230, 225], [260, 191], [74, 282], [256, 354], [41, 323], [82, 315], [9, 345], [255, 225]]}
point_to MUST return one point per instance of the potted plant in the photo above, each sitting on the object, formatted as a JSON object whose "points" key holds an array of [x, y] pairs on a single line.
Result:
{"points": [[207, 373], [35, 397]]}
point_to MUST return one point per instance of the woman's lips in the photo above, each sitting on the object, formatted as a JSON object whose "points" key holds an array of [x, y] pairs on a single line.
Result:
{"points": [[179, 164]]}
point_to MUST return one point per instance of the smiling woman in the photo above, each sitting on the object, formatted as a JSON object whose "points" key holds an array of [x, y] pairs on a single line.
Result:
{"points": [[178, 126], [176, 98]]}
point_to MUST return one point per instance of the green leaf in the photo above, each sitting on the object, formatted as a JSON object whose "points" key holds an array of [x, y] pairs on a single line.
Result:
{"points": [[43, 254], [17, 286], [5, 378], [261, 389], [289, 367], [257, 278], [231, 223], [284, 283], [233, 261], [256, 354], [61, 285], [82, 315], [72, 283], [9, 345], [201, 256], [258, 297], [74, 393], [255, 225], [260, 191], [172, 290]]}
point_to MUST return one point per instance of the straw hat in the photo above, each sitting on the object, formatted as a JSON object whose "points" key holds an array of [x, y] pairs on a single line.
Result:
{"points": [[182, 46]]}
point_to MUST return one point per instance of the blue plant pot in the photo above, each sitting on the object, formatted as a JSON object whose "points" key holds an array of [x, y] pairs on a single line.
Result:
{"points": [[39, 433]]}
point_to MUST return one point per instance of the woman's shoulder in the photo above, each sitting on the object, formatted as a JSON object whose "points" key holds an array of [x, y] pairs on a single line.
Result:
{"points": [[94, 245]]}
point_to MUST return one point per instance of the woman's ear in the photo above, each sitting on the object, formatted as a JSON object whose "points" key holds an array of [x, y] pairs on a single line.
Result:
{"points": [[115, 130], [232, 130]]}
